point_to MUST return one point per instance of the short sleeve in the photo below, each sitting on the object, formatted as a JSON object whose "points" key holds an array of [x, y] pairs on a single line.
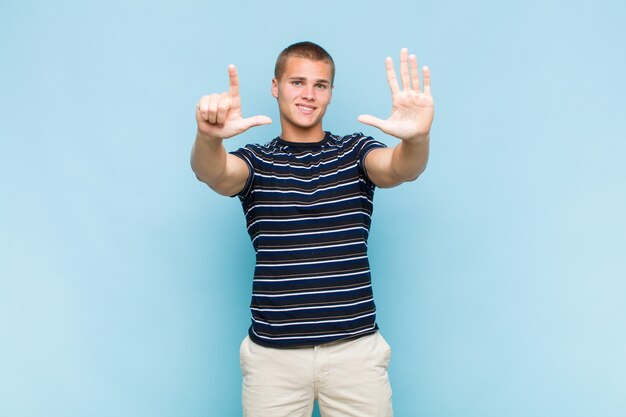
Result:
{"points": [[248, 157], [366, 145]]}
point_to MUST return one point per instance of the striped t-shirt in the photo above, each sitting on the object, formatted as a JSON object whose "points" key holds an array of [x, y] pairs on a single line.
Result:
{"points": [[308, 210]]}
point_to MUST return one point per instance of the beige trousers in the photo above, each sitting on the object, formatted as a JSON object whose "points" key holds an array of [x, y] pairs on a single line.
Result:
{"points": [[347, 378]]}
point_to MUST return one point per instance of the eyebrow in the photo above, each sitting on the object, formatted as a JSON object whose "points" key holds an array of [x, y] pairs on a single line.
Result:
{"points": [[304, 79]]}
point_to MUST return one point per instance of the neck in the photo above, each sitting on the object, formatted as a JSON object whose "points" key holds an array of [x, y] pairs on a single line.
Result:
{"points": [[298, 134]]}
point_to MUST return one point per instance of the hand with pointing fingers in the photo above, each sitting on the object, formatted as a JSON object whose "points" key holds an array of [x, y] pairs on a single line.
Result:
{"points": [[219, 115], [412, 110]]}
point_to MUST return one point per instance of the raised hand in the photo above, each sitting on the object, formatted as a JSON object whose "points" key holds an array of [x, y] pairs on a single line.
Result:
{"points": [[219, 115], [412, 110]]}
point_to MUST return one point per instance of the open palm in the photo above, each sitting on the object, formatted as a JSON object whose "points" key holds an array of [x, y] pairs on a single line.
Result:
{"points": [[412, 110]]}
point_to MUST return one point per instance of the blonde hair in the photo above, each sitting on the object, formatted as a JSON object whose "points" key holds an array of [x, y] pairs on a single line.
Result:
{"points": [[307, 50]]}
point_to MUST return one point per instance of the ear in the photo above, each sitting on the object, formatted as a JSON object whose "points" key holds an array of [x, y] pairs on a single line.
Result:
{"points": [[275, 87]]}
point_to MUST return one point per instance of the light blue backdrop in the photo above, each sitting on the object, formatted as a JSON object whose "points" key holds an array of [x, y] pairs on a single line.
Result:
{"points": [[499, 275]]}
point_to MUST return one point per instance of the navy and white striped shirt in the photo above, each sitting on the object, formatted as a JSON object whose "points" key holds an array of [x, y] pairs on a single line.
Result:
{"points": [[308, 210]]}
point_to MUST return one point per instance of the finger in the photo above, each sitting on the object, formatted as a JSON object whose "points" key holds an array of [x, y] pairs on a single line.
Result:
{"points": [[234, 81], [203, 108], [426, 73], [222, 109], [415, 77], [372, 121], [255, 121], [212, 110], [199, 111], [404, 69], [391, 76]]}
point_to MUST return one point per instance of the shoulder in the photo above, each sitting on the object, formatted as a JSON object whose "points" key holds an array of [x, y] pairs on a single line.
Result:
{"points": [[356, 141], [258, 150], [346, 139], [268, 147]]}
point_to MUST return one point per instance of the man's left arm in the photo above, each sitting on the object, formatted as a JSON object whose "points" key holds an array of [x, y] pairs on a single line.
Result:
{"points": [[389, 167], [411, 118]]}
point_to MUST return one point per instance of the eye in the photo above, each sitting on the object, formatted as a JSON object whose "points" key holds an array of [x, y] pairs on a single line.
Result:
{"points": [[296, 83], [321, 86]]}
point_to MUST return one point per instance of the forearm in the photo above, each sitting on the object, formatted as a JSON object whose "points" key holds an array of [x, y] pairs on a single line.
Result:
{"points": [[208, 159], [409, 159]]}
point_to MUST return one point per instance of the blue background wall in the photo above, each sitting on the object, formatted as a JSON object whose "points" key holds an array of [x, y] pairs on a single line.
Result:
{"points": [[499, 274]]}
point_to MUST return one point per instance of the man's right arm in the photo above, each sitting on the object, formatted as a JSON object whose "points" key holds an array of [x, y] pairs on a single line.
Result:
{"points": [[219, 117], [226, 174]]}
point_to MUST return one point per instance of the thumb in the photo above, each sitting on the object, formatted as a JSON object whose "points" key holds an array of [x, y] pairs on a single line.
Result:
{"points": [[255, 121], [372, 121]]}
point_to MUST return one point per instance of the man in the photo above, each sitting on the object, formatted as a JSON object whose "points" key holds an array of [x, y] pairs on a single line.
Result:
{"points": [[307, 198]]}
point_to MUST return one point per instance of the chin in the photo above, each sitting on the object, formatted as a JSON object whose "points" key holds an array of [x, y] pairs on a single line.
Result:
{"points": [[305, 124]]}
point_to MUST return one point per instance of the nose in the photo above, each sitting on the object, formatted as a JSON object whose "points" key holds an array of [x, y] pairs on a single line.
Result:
{"points": [[308, 93]]}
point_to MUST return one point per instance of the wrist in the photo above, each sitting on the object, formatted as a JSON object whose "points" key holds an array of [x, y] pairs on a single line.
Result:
{"points": [[418, 139], [206, 137]]}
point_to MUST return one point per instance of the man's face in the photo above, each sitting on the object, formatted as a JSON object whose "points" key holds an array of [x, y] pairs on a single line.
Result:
{"points": [[303, 93]]}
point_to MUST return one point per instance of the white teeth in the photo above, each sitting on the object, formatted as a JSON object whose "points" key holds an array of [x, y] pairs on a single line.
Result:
{"points": [[305, 107]]}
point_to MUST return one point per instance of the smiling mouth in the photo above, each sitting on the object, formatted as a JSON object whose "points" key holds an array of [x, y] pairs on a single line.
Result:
{"points": [[305, 109]]}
